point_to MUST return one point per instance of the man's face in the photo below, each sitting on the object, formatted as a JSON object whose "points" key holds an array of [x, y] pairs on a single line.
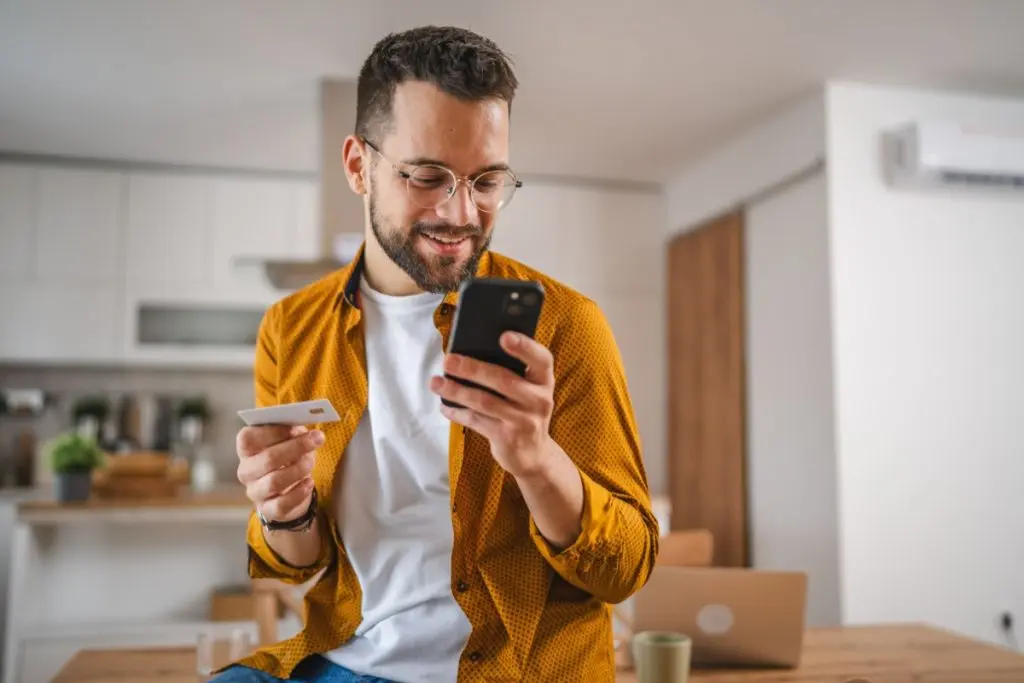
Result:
{"points": [[438, 247]]}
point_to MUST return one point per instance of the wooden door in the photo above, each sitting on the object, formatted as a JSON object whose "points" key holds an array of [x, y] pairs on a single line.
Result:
{"points": [[706, 467]]}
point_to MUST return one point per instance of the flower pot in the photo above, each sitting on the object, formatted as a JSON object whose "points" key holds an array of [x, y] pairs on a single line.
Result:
{"points": [[72, 487]]}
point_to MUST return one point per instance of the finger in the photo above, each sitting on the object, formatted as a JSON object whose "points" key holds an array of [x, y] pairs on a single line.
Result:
{"points": [[475, 399], [494, 377], [540, 365], [487, 427], [290, 505], [279, 481], [279, 455], [252, 440]]}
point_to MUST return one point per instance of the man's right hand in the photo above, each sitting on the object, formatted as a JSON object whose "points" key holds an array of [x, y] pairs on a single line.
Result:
{"points": [[274, 464]]}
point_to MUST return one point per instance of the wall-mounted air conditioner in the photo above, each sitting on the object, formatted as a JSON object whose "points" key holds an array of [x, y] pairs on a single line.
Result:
{"points": [[935, 154]]}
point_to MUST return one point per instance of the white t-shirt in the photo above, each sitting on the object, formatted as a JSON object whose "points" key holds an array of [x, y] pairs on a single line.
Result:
{"points": [[393, 502]]}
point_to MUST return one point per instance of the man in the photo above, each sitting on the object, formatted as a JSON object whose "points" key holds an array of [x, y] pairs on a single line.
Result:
{"points": [[479, 544]]}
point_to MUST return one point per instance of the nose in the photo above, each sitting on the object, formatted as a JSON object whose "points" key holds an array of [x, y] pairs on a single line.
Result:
{"points": [[459, 209]]}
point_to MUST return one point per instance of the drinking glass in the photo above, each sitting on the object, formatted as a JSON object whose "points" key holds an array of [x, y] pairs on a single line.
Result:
{"points": [[204, 657], [241, 644]]}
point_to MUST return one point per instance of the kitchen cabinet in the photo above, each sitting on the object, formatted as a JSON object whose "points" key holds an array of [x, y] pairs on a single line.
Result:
{"points": [[195, 292], [256, 219], [77, 228], [138, 267], [59, 323], [167, 231], [59, 301], [308, 242], [17, 196]]}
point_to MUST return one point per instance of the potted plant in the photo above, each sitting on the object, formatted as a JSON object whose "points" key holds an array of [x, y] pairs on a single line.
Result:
{"points": [[88, 413], [193, 414], [73, 458]]}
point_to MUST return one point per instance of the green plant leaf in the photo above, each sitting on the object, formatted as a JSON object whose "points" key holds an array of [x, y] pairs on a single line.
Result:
{"points": [[196, 406], [72, 452], [94, 406]]}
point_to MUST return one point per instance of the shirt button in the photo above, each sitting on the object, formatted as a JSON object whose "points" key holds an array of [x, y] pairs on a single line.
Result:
{"points": [[446, 309], [462, 586], [475, 656]]}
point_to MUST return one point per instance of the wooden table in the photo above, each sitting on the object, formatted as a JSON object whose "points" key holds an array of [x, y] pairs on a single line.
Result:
{"points": [[882, 654]]}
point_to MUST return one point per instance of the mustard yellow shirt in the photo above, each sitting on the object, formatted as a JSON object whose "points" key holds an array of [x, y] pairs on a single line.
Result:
{"points": [[537, 614]]}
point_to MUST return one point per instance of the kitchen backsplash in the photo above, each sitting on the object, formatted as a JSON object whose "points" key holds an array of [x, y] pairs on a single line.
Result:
{"points": [[225, 391]]}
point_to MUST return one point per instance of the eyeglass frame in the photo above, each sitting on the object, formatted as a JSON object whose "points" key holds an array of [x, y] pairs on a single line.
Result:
{"points": [[459, 179]]}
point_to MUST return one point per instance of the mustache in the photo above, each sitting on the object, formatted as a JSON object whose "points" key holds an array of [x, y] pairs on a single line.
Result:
{"points": [[454, 232]]}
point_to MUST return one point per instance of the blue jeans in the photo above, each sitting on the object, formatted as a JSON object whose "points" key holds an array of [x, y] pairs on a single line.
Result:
{"points": [[313, 669]]}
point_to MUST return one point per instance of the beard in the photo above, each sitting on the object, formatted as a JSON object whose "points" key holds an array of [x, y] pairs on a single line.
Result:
{"points": [[435, 273]]}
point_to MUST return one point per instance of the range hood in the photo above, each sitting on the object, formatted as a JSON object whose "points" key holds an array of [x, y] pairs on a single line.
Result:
{"points": [[341, 210]]}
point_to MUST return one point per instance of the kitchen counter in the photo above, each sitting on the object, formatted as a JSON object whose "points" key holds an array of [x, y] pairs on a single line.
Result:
{"points": [[226, 503], [117, 573]]}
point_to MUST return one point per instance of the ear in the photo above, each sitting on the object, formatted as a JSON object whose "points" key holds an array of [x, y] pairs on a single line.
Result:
{"points": [[355, 163]]}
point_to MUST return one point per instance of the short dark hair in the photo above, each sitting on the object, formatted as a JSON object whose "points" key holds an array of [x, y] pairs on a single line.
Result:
{"points": [[459, 62]]}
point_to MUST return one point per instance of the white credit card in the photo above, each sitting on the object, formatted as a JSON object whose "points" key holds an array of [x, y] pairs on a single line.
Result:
{"points": [[301, 413]]}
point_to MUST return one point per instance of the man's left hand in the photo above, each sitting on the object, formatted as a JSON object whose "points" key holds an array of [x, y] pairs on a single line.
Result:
{"points": [[517, 422]]}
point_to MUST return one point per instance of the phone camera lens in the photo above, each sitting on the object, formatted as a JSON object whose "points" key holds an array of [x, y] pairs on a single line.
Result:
{"points": [[515, 309], [530, 298]]}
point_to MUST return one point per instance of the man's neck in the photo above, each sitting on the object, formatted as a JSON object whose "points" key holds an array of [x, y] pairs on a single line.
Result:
{"points": [[383, 274]]}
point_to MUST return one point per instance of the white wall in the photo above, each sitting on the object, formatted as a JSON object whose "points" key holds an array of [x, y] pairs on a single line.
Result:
{"points": [[929, 332], [790, 439], [781, 145], [609, 244]]}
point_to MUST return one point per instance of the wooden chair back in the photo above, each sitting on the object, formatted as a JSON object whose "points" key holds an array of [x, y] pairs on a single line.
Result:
{"points": [[268, 597], [690, 548]]}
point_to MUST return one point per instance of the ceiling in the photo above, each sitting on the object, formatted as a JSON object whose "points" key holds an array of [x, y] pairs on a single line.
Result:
{"points": [[628, 90]]}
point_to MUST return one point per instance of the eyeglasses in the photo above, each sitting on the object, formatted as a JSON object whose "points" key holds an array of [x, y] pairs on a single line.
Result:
{"points": [[430, 186]]}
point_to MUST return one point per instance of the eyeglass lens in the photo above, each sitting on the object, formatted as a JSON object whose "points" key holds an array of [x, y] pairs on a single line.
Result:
{"points": [[431, 186]]}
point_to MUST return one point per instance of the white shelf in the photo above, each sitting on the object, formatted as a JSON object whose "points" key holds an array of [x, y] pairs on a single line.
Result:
{"points": [[143, 630], [236, 515]]}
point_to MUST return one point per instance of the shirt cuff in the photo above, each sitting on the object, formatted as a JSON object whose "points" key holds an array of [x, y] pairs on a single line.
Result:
{"points": [[597, 526], [264, 563]]}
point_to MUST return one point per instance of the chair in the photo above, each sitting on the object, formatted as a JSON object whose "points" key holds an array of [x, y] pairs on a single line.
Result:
{"points": [[690, 548], [269, 596]]}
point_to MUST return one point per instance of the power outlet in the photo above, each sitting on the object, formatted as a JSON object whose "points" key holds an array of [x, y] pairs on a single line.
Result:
{"points": [[1006, 625]]}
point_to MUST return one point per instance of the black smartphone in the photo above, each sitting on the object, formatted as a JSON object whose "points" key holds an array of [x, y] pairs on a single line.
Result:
{"points": [[487, 308]]}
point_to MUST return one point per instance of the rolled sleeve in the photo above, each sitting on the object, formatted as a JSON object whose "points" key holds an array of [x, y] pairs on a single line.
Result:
{"points": [[593, 422], [264, 563], [594, 562]]}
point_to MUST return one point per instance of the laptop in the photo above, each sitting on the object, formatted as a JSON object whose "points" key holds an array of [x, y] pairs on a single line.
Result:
{"points": [[735, 617]]}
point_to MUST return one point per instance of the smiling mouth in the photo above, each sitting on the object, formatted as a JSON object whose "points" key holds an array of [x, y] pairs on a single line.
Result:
{"points": [[446, 240], [446, 243]]}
